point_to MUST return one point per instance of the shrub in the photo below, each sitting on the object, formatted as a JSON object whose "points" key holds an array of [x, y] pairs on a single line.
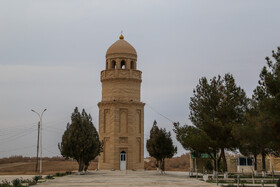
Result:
{"points": [[16, 183], [278, 183], [49, 177], [37, 177], [30, 182], [60, 174], [5, 183]]}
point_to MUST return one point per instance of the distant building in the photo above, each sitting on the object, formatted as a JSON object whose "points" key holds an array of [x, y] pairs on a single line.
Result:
{"points": [[121, 112], [236, 163]]}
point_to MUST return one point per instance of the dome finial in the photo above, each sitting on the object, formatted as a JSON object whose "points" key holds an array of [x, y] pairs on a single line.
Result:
{"points": [[121, 36]]}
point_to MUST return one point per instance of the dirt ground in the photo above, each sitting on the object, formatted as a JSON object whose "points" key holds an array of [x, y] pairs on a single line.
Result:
{"points": [[48, 167], [18, 165]]}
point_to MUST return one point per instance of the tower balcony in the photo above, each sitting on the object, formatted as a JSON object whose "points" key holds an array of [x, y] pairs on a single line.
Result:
{"points": [[129, 74]]}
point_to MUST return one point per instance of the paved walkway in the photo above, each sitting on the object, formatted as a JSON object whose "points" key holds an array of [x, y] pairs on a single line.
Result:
{"points": [[129, 178]]}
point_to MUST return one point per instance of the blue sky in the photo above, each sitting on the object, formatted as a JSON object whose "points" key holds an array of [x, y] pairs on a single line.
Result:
{"points": [[52, 53]]}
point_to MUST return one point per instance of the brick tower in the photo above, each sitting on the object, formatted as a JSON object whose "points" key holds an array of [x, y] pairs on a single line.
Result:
{"points": [[121, 112]]}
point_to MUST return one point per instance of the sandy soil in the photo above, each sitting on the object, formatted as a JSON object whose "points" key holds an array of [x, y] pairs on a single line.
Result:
{"points": [[4, 166], [49, 167]]}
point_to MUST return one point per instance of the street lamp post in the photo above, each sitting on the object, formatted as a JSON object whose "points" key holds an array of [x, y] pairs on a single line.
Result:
{"points": [[41, 127]]}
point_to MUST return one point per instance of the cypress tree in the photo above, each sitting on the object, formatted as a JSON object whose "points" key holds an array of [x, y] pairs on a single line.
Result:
{"points": [[160, 145], [80, 140]]}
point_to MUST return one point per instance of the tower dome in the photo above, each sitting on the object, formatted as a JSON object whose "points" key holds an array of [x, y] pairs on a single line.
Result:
{"points": [[121, 47]]}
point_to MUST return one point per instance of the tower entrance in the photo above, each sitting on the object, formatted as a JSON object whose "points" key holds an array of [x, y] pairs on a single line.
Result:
{"points": [[123, 161]]}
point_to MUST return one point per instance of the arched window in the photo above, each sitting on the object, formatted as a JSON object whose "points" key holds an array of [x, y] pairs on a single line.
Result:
{"points": [[113, 64], [122, 64], [132, 65]]}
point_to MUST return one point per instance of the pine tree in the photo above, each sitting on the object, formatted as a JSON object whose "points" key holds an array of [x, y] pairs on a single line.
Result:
{"points": [[268, 92], [198, 142], [80, 140], [249, 135], [216, 107], [267, 98]]}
